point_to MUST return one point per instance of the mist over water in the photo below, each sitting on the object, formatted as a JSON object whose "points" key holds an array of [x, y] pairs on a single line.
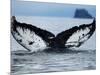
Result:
{"points": [[82, 58]]}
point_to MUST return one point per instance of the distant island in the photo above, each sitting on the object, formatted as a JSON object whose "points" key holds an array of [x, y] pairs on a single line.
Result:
{"points": [[82, 13]]}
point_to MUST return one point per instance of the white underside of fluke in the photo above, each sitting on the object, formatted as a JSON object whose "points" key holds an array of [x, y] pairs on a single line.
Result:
{"points": [[29, 39]]}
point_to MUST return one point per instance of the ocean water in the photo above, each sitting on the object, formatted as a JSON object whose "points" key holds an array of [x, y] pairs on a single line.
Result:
{"points": [[82, 58], [40, 62]]}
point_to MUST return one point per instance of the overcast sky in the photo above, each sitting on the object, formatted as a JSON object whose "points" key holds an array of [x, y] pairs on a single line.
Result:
{"points": [[27, 8]]}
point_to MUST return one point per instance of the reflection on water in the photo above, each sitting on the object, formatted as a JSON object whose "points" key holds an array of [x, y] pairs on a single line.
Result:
{"points": [[24, 62]]}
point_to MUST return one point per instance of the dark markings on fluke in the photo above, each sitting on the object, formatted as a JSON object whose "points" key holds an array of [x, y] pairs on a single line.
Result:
{"points": [[52, 41]]}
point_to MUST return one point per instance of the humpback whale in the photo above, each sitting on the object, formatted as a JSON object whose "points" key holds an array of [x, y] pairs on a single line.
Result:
{"points": [[36, 39]]}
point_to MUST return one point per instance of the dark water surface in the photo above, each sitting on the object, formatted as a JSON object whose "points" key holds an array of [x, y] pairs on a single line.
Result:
{"points": [[23, 62]]}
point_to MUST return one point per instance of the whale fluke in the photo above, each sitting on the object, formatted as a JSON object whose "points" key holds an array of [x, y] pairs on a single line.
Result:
{"points": [[36, 39]]}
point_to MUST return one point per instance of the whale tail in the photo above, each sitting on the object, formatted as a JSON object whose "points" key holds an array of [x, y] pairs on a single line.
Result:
{"points": [[34, 38]]}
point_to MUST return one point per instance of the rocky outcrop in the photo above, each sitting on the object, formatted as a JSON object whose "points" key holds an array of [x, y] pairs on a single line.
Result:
{"points": [[82, 13]]}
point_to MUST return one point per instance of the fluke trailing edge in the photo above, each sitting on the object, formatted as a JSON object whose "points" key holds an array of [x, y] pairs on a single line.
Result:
{"points": [[34, 38]]}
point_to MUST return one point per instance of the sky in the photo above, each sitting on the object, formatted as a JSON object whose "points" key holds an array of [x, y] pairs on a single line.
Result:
{"points": [[31, 8]]}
